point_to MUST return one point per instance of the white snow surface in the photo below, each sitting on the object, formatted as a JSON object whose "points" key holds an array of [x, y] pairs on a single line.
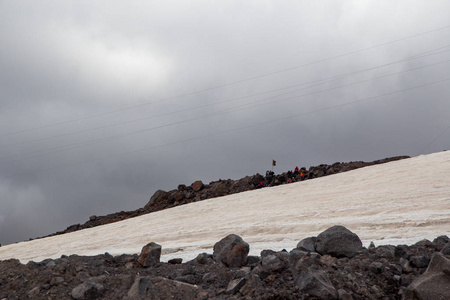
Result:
{"points": [[400, 202]]}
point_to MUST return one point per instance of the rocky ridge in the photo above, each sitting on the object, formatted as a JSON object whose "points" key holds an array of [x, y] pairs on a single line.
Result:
{"points": [[333, 265], [199, 191]]}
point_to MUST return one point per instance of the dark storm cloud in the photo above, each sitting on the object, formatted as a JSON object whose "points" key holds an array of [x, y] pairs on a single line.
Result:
{"points": [[130, 89]]}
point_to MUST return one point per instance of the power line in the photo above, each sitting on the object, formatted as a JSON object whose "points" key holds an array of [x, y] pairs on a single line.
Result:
{"points": [[433, 141], [238, 108], [247, 127], [228, 84], [316, 82]]}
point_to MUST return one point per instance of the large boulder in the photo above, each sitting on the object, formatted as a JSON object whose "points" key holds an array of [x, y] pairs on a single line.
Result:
{"points": [[150, 255], [338, 241], [232, 251], [434, 283]]}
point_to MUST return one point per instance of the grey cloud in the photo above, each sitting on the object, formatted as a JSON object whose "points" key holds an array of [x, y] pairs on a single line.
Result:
{"points": [[69, 61]]}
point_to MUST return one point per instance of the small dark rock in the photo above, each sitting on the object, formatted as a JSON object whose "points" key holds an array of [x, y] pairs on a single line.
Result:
{"points": [[252, 260], [158, 196], [232, 251], [401, 251], [344, 295], [140, 287], [376, 267], [275, 262], [175, 261], [252, 285], [419, 261], [90, 289], [203, 259], [191, 279], [387, 251], [235, 285], [405, 280], [56, 280], [307, 244], [316, 283], [197, 185], [446, 249], [295, 255], [267, 252], [150, 255], [424, 243]]}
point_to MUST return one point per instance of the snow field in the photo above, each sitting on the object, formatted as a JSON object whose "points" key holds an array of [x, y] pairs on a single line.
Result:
{"points": [[400, 202]]}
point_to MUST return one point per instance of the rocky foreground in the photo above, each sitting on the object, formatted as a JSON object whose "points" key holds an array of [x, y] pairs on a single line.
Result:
{"points": [[333, 265]]}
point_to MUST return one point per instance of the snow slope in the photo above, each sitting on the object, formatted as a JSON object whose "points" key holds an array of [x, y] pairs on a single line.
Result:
{"points": [[399, 202]]}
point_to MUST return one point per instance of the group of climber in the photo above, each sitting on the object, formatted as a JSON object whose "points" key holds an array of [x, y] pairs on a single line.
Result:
{"points": [[291, 176], [301, 172]]}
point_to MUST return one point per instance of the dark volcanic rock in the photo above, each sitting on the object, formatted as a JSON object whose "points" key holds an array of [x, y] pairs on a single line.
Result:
{"points": [[150, 255], [91, 289], [338, 241], [276, 262], [275, 275], [307, 244], [140, 288], [446, 249], [163, 288], [197, 185], [157, 197], [235, 285], [387, 251], [419, 261], [316, 283], [434, 283], [175, 261], [232, 251]]}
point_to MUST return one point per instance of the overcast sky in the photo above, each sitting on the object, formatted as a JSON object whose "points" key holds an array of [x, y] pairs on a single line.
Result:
{"points": [[102, 102]]}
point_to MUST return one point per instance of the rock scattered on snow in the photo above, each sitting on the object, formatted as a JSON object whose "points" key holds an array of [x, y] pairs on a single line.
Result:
{"points": [[232, 250], [150, 255], [338, 241]]}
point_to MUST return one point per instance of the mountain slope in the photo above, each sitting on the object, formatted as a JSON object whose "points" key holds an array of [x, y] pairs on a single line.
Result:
{"points": [[397, 202]]}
